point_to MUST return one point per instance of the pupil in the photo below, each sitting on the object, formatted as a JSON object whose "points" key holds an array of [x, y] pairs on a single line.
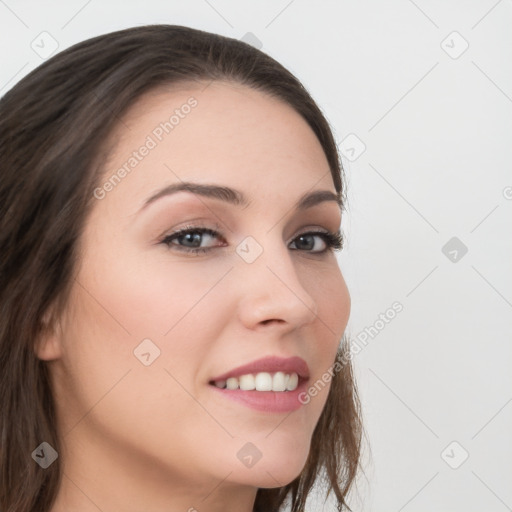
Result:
{"points": [[189, 237], [306, 237]]}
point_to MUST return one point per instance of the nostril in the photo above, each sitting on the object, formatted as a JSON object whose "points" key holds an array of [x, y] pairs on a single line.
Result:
{"points": [[265, 322]]}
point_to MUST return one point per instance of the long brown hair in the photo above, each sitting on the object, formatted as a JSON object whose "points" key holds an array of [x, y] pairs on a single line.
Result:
{"points": [[53, 127]]}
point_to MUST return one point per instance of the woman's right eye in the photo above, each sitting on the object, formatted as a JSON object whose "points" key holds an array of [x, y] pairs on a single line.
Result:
{"points": [[189, 239]]}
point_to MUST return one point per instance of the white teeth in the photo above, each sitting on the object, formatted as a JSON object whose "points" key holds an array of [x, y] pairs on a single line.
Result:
{"points": [[293, 382], [279, 381], [232, 383], [246, 382], [262, 381]]}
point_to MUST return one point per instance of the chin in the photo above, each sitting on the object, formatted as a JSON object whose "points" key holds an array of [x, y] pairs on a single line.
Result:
{"points": [[275, 468], [265, 478]]}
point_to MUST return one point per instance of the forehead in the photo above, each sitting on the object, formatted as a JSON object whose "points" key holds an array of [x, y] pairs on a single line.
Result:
{"points": [[218, 132]]}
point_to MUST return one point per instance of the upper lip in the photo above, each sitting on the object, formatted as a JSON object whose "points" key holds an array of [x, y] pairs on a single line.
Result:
{"points": [[270, 364]]}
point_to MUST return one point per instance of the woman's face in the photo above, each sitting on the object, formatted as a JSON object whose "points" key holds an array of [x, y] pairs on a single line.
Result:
{"points": [[150, 324]]}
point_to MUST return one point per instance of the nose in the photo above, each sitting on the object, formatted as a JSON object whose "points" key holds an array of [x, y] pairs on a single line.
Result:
{"points": [[271, 291]]}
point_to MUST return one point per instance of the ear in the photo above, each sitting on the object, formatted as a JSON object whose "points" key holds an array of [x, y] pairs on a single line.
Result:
{"points": [[48, 343]]}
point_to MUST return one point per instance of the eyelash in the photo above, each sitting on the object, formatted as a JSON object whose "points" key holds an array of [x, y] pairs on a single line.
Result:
{"points": [[334, 241]]}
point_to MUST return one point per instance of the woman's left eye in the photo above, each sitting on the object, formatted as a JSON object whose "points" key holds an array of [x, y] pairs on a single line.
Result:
{"points": [[189, 240], [331, 241]]}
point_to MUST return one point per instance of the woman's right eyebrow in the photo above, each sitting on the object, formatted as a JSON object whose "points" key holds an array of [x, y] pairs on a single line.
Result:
{"points": [[236, 197]]}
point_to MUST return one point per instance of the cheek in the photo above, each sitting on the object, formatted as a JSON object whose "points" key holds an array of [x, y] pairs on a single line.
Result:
{"points": [[335, 296], [173, 304], [176, 304], [153, 295], [331, 295], [334, 304]]}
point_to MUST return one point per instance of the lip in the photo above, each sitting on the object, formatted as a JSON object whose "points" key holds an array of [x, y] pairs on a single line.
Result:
{"points": [[267, 401], [270, 364]]}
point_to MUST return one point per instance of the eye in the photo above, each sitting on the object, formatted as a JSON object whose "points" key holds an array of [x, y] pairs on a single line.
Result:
{"points": [[190, 238], [330, 241]]}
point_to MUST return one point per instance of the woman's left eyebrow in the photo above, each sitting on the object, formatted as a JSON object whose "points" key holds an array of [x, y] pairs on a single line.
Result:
{"points": [[236, 197]]}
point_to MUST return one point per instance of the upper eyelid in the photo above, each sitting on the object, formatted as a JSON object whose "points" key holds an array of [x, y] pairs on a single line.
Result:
{"points": [[166, 239], [218, 230]]}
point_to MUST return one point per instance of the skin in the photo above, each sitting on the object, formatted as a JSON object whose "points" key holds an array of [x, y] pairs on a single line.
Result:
{"points": [[158, 437]]}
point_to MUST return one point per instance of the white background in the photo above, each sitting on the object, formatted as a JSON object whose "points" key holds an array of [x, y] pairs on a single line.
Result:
{"points": [[437, 133]]}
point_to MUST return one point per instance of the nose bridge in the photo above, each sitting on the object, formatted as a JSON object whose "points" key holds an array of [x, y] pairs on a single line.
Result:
{"points": [[271, 289]]}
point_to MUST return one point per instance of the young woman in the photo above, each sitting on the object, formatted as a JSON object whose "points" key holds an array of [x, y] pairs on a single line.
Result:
{"points": [[172, 309]]}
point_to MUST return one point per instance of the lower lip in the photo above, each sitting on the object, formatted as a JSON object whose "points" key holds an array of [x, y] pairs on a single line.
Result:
{"points": [[266, 401]]}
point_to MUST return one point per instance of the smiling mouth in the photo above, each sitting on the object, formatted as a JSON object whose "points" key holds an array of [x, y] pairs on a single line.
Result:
{"points": [[261, 381]]}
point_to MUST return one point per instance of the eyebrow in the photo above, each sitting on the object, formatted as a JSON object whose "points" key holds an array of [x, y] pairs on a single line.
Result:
{"points": [[236, 197]]}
